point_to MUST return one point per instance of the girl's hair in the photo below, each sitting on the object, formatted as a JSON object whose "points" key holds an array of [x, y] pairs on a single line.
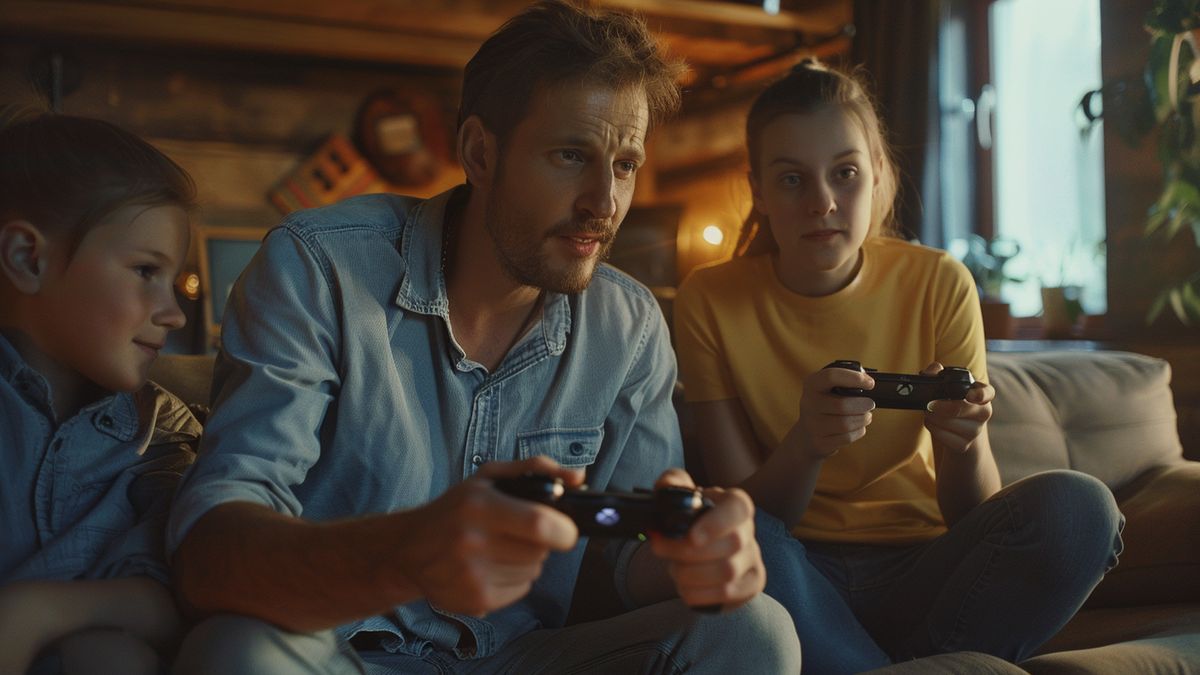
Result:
{"points": [[65, 174], [809, 86]]}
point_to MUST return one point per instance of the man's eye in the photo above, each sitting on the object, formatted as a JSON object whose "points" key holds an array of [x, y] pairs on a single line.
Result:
{"points": [[627, 167], [570, 155]]}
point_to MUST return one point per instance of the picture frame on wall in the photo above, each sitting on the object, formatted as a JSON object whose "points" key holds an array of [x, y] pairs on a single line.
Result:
{"points": [[224, 252]]}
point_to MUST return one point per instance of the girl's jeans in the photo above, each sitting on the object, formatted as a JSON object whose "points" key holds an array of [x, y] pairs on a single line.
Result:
{"points": [[1003, 580]]}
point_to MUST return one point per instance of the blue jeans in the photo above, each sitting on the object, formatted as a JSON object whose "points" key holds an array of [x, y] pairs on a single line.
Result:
{"points": [[663, 639], [1002, 581]]}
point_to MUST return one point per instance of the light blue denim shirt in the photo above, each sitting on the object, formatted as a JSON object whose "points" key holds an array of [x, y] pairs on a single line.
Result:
{"points": [[87, 498], [340, 391]]}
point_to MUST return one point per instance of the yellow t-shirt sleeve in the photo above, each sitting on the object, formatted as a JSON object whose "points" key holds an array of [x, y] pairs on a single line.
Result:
{"points": [[703, 363], [959, 320]]}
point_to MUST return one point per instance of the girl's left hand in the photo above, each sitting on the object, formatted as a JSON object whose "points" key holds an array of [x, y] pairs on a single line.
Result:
{"points": [[954, 425]]}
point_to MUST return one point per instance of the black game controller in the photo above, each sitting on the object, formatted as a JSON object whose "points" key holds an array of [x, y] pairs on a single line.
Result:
{"points": [[669, 511], [908, 392]]}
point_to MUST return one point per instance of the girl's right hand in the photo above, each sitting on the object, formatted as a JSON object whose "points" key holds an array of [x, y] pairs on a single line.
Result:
{"points": [[829, 422]]}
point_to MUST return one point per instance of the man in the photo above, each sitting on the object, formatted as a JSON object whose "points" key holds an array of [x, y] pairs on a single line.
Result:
{"points": [[386, 357]]}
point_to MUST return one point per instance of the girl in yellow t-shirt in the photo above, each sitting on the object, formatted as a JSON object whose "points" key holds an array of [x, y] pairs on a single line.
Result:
{"points": [[886, 532]]}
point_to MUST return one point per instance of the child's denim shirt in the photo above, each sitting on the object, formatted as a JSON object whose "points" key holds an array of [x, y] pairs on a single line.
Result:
{"points": [[88, 498], [340, 391]]}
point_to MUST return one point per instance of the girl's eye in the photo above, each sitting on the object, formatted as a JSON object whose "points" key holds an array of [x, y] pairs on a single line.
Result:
{"points": [[146, 271], [848, 173], [790, 179]]}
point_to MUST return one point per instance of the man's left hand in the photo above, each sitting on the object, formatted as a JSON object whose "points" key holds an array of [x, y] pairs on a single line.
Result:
{"points": [[717, 563]]}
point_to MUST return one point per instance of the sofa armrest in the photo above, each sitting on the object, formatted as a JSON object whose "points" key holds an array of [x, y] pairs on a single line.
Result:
{"points": [[1161, 560], [1107, 413]]}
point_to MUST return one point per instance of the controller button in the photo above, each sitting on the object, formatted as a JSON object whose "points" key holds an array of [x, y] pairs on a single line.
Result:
{"points": [[576, 448], [608, 516]]}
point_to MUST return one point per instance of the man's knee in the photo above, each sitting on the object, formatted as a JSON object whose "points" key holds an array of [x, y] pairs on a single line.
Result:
{"points": [[758, 637], [236, 645]]}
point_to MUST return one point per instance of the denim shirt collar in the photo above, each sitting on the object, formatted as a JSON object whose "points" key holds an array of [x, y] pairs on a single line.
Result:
{"points": [[114, 415], [423, 281]]}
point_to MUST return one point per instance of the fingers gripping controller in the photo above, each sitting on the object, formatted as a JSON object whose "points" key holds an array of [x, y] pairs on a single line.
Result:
{"points": [[908, 392], [669, 511]]}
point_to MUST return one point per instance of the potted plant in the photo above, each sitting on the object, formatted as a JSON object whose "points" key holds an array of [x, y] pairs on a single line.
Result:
{"points": [[986, 259], [1173, 78]]}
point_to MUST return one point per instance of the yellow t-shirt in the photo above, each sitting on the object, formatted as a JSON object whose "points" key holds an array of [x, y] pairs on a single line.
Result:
{"points": [[742, 335]]}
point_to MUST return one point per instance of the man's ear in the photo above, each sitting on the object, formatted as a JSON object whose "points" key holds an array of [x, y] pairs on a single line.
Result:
{"points": [[477, 151], [24, 252]]}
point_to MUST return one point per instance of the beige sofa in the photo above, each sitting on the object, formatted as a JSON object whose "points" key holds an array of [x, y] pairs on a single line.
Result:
{"points": [[1109, 414]]}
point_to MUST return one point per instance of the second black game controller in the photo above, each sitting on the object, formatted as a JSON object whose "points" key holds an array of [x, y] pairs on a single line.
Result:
{"points": [[669, 511], [908, 392]]}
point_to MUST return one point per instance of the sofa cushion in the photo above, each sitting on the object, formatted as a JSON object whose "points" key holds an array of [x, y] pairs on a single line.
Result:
{"points": [[1153, 639], [1161, 560], [188, 376], [953, 663], [1109, 414]]}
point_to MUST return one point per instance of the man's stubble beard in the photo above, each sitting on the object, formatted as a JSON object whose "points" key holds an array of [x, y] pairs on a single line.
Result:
{"points": [[523, 258]]}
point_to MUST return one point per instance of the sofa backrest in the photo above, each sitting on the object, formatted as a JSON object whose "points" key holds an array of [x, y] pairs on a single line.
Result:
{"points": [[1106, 413]]}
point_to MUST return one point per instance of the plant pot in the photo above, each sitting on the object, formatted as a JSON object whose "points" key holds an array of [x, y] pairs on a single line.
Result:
{"points": [[997, 320], [1060, 312]]}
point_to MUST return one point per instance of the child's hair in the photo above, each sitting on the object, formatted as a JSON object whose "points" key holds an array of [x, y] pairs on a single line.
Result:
{"points": [[809, 86], [65, 174]]}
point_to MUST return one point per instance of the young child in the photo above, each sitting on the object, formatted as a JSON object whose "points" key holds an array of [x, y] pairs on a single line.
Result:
{"points": [[93, 231], [888, 536]]}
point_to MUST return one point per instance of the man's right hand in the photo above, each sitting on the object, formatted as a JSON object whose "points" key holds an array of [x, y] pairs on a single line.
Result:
{"points": [[473, 549]]}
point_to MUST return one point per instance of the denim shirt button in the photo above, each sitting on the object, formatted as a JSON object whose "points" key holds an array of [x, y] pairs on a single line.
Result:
{"points": [[576, 448], [477, 460]]}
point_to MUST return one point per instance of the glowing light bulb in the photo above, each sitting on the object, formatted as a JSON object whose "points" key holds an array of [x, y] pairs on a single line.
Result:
{"points": [[713, 235], [191, 286]]}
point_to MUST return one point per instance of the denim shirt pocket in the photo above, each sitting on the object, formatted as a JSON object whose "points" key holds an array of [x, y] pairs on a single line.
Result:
{"points": [[572, 447]]}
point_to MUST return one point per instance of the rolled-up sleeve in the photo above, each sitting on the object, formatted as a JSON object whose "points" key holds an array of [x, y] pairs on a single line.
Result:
{"points": [[273, 384]]}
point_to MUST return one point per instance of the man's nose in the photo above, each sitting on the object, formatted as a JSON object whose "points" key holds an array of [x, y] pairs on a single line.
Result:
{"points": [[598, 198]]}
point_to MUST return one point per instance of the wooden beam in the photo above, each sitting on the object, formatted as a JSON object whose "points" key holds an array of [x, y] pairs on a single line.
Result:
{"points": [[425, 32], [165, 25], [829, 19]]}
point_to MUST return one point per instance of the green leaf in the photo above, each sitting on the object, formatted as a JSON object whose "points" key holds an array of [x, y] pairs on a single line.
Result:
{"points": [[1191, 302], [1156, 307], [1176, 299], [1178, 218], [1160, 58]]}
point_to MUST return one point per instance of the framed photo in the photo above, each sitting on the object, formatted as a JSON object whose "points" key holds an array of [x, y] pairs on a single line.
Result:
{"points": [[224, 253]]}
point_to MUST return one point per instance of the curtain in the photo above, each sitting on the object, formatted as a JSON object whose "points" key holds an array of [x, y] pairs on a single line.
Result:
{"points": [[897, 42]]}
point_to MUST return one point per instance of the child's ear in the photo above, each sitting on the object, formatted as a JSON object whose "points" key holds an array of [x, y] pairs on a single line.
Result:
{"points": [[477, 151], [24, 253]]}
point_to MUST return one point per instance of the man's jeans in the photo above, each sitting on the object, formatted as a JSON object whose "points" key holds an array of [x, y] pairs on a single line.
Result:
{"points": [[665, 638], [1002, 581]]}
